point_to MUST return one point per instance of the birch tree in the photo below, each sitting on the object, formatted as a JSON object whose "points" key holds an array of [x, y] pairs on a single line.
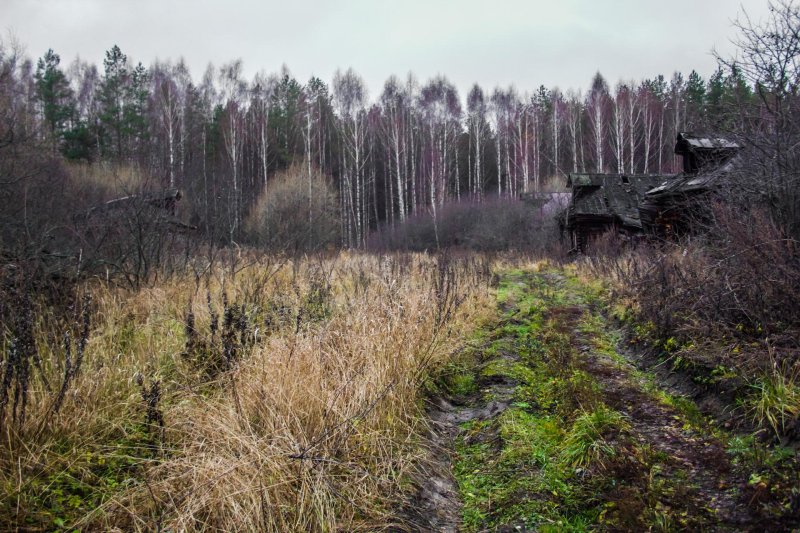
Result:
{"points": [[558, 112], [233, 91], [262, 92], [575, 115], [350, 96], [394, 101], [500, 104], [167, 103], [677, 106], [478, 129], [596, 108], [618, 119], [649, 109]]}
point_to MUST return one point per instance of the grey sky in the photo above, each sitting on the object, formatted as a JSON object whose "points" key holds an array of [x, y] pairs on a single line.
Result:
{"points": [[501, 42]]}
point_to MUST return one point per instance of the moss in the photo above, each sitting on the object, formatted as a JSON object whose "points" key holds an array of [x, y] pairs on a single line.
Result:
{"points": [[512, 369], [462, 384]]}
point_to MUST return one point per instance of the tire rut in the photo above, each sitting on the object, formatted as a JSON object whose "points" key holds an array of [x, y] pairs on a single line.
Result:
{"points": [[713, 483], [700, 457], [437, 504], [713, 487]]}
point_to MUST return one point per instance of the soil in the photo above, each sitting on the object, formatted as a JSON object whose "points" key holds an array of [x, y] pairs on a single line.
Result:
{"points": [[437, 504]]}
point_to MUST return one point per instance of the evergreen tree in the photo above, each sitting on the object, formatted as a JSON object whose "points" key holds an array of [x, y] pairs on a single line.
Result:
{"points": [[727, 94], [134, 108], [715, 96], [695, 100], [55, 96], [112, 101], [284, 119]]}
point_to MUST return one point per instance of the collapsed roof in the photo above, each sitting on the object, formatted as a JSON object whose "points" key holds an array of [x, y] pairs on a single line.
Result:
{"points": [[633, 202], [156, 207], [608, 198]]}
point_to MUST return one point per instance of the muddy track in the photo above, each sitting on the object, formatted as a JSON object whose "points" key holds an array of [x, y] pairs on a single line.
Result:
{"points": [[703, 458], [713, 484], [712, 489], [437, 506]]}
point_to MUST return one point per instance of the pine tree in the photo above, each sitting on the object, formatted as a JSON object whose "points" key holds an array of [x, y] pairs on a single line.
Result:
{"points": [[134, 107], [715, 94], [695, 100], [112, 101], [55, 96]]}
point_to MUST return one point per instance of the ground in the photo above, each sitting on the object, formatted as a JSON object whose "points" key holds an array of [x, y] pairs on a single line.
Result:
{"points": [[547, 423]]}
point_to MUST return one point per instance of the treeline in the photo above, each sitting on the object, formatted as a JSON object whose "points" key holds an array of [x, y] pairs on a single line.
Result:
{"points": [[408, 151]]}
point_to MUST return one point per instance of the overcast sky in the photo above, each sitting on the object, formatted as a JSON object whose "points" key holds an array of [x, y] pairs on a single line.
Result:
{"points": [[526, 43]]}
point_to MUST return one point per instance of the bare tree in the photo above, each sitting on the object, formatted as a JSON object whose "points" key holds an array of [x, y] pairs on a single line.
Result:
{"points": [[617, 126], [648, 106], [394, 101], [233, 90], [500, 104], [596, 107], [677, 107], [478, 129], [575, 111], [632, 115], [350, 95], [769, 59], [262, 91], [558, 107], [167, 103]]}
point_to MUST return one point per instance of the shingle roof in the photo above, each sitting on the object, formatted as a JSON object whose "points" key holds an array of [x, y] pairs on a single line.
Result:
{"points": [[610, 197], [686, 184]]}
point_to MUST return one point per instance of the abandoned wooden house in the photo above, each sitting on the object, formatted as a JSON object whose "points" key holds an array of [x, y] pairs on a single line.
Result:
{"points": [[702, 153], [602, 202], [636, 205]]}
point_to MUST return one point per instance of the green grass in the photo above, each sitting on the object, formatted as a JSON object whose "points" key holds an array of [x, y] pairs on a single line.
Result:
{"points": [[588, 443], [80, 478], [559, 458], [517, 469], [775, 399]]}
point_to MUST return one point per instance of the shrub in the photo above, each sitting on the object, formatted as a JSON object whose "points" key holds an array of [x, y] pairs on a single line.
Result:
{"points": [[296, 213], [722, 299], [491, 225]]}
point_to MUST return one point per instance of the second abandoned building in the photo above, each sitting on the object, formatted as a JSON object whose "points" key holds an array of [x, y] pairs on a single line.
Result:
{"points": [[643, 204]]}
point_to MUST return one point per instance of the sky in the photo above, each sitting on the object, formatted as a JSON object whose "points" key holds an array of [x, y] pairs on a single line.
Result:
{"points": [[524, 43]]}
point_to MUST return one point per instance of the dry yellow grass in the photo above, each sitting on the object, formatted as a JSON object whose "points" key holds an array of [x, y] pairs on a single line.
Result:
{"points": [[316, 428]]}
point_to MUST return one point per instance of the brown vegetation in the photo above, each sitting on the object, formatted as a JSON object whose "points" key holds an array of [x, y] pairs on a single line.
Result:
{"points": [[494, 224], [314, 423], [297, 212], [722, 307]]}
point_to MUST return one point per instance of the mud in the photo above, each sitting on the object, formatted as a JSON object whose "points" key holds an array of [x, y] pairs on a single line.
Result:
{"points": [[437, 504]]}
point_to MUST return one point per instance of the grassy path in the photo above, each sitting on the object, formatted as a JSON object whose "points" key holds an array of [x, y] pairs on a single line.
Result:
{"points": [[547, 425]]}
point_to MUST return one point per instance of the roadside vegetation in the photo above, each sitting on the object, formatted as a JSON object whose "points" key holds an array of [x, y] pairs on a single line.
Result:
{"points": [[263, 394]]}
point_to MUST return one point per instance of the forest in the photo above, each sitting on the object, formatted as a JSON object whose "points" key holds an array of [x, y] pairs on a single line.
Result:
{"points": [[409, 150], [232, 304]]}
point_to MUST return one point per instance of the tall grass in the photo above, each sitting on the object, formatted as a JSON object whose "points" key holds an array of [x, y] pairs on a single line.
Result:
{"points": [[314, 427]]}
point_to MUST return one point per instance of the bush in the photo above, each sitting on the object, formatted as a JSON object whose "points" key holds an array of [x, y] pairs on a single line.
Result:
{"points": [[296, 213], [494, 224], [721, 305]]}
